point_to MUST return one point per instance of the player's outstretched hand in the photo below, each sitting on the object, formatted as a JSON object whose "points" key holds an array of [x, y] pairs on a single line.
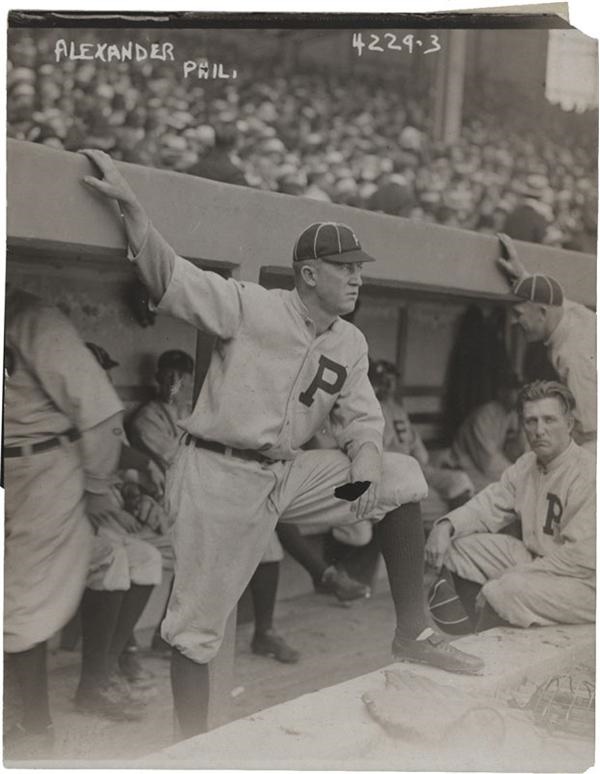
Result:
{"points": [[438, 544], [510, 262], [112, 183]]}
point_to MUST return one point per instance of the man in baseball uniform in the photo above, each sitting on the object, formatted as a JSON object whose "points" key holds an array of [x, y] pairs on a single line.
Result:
{"points": [[284, 362], [548, 577], [62, 438], [489, 440], [567, 329], [154, 429]]}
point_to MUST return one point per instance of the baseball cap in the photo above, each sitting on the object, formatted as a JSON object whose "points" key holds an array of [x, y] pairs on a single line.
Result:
{"points": [[538, 288], [176, 359], [333, 242], [104, 359]]}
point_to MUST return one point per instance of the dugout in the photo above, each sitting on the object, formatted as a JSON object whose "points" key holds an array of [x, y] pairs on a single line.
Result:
{"points": [[65, 245]]}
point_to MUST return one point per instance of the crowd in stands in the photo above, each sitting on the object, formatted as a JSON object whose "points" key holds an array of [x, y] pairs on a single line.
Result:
{"points": [[347, 141]]}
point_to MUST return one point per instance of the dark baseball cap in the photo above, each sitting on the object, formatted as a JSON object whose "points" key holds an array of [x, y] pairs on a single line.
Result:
{"points": [[176, 359], [333, 242], [538, 288], [104, 359]]}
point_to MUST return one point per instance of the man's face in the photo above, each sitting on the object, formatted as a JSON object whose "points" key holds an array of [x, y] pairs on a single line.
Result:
{"points": [[172, 382], [531, 319], [337, 286], [384, 385], [547, 428]]}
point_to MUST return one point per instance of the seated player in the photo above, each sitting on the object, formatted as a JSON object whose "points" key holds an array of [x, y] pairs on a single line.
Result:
{"points": [[489, 441], [454, 486], [123, 572], [546, 578], [154, 429]]}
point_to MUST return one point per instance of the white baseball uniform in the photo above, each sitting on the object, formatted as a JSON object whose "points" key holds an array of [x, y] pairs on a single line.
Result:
{"points": [[54, 385], [549, 577], [479, 445], [271, 383], [119, 559], [400, 436], [572, 350]]}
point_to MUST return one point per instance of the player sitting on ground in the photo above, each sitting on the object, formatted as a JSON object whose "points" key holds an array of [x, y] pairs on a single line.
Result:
{"points": [[546, 578]]}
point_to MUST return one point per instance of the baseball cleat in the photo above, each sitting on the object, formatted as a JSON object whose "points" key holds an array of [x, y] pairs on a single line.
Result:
{"points": [[271, 644], [436, 652], [341, 585]]}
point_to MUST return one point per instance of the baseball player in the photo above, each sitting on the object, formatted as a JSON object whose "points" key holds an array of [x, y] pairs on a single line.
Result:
{"points": [[400, 436], [567, 329], [62, 436], [240, 467], [489, 440], [548, 577], [154, 429]]}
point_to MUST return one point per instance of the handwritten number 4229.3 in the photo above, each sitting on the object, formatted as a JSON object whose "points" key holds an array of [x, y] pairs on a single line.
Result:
{"points": [[389, 41]]}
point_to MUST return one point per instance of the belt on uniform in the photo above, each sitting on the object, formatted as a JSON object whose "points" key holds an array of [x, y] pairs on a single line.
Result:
{"points": [[42, 446], [228, 451]]}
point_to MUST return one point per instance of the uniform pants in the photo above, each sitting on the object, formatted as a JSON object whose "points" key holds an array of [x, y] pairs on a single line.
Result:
{"points": [[48, 545], [120, 559], [227, 509], [517, 591]]}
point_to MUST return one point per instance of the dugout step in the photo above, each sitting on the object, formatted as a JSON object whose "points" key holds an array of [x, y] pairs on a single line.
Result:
{"points": [[331, 728]]}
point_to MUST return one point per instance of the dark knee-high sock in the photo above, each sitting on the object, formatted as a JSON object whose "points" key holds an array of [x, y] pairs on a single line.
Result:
{"points": [[467, 592], [190, 686], [132, 606], [99, 615], [402, 539], [300, 549], [263, 588], [32, 678]]}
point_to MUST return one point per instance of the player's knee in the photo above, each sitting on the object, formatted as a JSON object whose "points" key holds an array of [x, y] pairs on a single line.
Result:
{"points": [[145, 565], [402, 481]]}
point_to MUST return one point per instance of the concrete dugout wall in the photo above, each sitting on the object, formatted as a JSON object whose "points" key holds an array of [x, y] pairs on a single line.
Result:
{"points": [[50, 210]]}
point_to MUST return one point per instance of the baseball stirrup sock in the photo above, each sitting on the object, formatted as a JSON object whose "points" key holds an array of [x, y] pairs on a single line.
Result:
{"points": [[32, 677], [263, 588], [402, 539], [190, 686], [99, 615], [300, 549], [132, 607]]}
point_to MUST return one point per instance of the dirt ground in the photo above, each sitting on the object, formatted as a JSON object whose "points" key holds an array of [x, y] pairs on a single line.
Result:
{"points": [[337, 643]]}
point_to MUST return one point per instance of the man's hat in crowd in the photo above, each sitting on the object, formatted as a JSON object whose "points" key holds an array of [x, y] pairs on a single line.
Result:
{"points": [[538, 288], [333, 242], [104, 359], [176, 359]]}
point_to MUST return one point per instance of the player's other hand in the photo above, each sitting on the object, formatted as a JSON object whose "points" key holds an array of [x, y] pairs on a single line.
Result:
{"points": [[366, 466], [111, 183], [438, 544], [509, 261]]}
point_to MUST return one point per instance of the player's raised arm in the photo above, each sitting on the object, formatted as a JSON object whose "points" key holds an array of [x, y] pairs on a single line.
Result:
{"points": [[176, 287], [113, 185]]}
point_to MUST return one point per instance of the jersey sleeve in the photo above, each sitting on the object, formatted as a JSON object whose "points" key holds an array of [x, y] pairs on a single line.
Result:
{"points": [[356, 417], [178, 288], [65, 368], [490, 510]]}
